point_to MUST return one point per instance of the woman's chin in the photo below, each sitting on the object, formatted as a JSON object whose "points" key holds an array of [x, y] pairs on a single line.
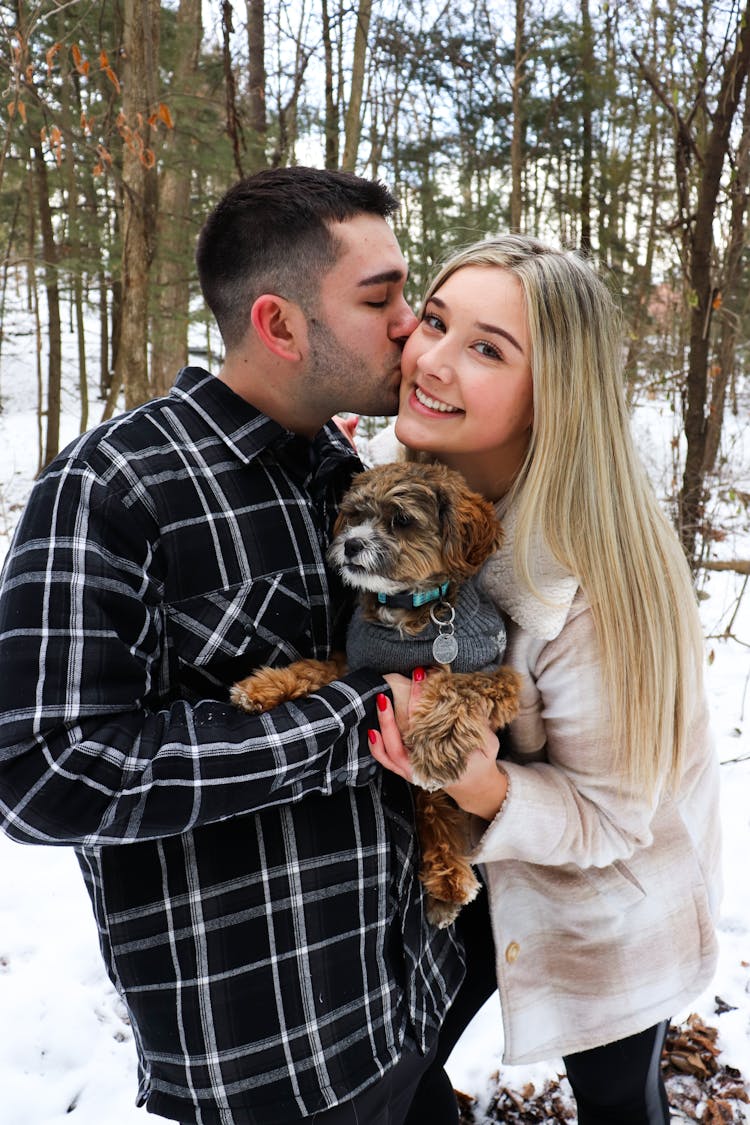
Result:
{"points": [[412, 436]]}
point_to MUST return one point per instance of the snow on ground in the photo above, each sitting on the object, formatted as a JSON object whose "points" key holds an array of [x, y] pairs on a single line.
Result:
{"points": [[66, 1050]]}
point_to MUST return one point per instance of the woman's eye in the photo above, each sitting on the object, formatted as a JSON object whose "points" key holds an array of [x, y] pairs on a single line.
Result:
{"points": [[488, 350], [432, 320]]}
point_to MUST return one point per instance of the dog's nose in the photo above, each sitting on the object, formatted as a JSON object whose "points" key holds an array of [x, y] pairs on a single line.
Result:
{"points": [[352, 547]]}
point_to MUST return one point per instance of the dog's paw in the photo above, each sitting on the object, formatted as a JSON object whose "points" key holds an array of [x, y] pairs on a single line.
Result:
{"points": [[438, 751], [268, 687], [241, 696], [420, 779], [503, 693], [442, 914], [264, 690]]}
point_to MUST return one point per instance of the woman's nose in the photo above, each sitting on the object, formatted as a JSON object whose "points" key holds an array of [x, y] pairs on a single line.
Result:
{"points": [[435, 362]]}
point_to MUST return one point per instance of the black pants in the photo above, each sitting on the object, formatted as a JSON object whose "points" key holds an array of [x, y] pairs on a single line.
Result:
{"points": [[386, 1102], [617, 1084]]}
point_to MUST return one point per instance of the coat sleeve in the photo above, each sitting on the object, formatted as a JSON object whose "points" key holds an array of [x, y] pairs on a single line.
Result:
{"points": [[569, 800], [89, 751]]}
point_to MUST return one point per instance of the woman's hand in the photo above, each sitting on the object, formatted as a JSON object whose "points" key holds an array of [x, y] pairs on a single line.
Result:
{"points": [[482, 787], [348, 427], [386, 745]]}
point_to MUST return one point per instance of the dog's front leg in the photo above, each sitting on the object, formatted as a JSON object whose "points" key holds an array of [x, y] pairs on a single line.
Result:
{"points": [[450, 720], [268, 687], [446, 874]]}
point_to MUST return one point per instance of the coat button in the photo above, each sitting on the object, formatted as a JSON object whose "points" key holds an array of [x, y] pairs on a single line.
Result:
{"points": [[511, 953]]}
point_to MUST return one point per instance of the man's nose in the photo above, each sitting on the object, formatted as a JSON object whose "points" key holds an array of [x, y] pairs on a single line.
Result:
{"points": [[402, 327]]}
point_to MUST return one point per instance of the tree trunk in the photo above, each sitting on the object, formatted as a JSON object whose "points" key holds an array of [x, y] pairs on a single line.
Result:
{"points": [[516, 143], [74, 234], [643, 274], [702, 293], [724, 367], [175, 230], [331, 115], [105, 370], [587, 73], [141, 43], [233, 123], [353, 122], [54, 334], [256, 50]]}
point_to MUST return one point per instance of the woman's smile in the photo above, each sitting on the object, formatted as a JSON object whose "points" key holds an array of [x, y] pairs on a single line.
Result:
{"points": [[434, 404]]}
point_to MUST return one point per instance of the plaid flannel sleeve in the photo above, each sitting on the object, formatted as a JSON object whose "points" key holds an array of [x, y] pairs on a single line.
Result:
{"points": [[89, 753]]}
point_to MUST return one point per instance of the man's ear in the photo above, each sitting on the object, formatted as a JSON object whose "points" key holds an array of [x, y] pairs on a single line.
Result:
{"points": [[280, 326]]}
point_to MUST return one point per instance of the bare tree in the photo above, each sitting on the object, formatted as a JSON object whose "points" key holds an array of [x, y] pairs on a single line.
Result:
{"points": [[174, 227], [728, 295], [516, 143], [353, 121], [54, 332], [702, 286], [256, 69], [141, 46]]}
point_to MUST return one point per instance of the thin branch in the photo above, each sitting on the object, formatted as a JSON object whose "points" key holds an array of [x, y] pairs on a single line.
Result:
{"points": [[738, 566]]}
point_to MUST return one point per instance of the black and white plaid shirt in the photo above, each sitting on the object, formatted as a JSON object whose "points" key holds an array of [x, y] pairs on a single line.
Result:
{"points": [[254, 879]]}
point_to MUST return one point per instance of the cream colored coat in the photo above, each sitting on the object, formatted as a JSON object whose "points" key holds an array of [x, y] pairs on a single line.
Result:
{"points": [[602, 902]]}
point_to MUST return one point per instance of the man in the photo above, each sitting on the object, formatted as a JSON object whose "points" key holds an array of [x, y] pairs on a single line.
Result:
{"points": [[253, 878]]}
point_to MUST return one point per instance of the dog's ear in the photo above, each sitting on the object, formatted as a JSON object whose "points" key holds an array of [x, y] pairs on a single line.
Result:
{"points": [[471, 528], [338, 523]]}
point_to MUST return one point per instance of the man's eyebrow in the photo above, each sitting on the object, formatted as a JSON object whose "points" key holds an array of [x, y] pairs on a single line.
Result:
{"points": [[485, 327], [382, 278]]}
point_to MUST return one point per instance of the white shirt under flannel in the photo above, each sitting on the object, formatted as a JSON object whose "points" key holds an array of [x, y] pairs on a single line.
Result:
{"points": [[254, 879]]}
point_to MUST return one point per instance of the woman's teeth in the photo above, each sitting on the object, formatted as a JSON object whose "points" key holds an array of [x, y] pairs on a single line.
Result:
{"points": [[433, 403]]}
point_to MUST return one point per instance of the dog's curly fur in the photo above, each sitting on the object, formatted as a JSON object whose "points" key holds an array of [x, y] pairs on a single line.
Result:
{"points": [[412, 526]]}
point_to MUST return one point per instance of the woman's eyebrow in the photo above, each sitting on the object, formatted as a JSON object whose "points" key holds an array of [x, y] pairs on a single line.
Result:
{"points": [[500, 332], [484, 327]]}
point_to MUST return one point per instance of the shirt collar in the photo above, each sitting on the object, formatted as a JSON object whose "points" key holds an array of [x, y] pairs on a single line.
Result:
{"points": [[248, 432]]}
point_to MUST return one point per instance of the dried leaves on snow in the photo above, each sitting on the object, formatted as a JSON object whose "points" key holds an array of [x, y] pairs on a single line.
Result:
{"points": [[699, 1086]]}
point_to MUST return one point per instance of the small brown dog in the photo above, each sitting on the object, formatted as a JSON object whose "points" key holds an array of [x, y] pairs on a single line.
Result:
{"points": [[410, 538]]}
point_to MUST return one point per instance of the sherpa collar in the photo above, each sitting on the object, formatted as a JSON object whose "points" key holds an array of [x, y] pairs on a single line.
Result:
{"points": [[541, 618]]}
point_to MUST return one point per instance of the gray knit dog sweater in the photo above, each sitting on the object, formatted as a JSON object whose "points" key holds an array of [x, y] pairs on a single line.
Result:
{"points": [[479, 632]]}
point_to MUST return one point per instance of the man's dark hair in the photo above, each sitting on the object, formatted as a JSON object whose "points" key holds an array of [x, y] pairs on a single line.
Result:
{"points": [[271, 233]]}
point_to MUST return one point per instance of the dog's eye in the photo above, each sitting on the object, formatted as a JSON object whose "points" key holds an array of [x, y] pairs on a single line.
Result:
{"points": [[401, 519]]}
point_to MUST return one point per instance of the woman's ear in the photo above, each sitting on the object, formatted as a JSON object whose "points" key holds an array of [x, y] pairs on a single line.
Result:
{"points": [[280, 326]]}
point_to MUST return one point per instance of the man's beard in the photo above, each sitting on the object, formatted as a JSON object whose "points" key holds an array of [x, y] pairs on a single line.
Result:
{"points": [[339, 376]]}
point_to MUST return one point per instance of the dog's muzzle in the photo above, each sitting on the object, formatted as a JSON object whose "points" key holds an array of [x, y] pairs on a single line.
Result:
{"points": [[360, 556]]}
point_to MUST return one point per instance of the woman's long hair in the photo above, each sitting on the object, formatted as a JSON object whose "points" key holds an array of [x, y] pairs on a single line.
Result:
{"points": [[582, 485]]}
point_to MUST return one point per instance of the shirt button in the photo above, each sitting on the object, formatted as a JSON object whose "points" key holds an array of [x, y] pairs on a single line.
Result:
{"points": [[512, 951]]}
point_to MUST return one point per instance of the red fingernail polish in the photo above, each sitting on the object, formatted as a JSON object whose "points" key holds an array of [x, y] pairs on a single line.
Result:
{"points": [[382, 702], [418, 674], [372, 736]]}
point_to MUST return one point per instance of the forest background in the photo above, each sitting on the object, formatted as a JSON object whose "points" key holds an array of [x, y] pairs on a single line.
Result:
{"points": [[619, 127]]}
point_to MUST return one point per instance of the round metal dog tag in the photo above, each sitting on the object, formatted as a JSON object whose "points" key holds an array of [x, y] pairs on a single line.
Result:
{"points": [[445, 648]]}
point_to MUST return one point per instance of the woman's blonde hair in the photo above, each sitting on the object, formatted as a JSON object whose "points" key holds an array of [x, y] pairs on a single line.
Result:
{"points": [[583, 485]]}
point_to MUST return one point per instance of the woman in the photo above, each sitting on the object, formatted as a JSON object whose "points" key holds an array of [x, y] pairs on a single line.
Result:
{"points": [[598, 832]]}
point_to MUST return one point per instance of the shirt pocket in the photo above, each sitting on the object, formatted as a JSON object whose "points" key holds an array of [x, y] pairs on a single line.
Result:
{"points": [[264, 621]]}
